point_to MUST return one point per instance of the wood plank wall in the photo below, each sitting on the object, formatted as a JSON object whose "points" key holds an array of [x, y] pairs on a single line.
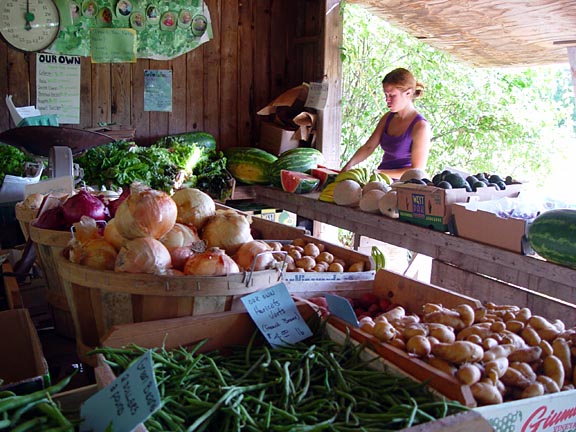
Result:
{"points": [[260, 49]]}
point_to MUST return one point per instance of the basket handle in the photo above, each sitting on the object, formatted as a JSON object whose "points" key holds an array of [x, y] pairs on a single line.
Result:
{"points": [[249, 275]]}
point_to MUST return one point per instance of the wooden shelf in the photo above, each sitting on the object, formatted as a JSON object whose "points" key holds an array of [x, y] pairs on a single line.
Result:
{"points": [[531, 275]]}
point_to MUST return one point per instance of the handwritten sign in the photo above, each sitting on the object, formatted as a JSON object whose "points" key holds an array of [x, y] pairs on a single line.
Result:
{"points": [[341, 307], [58, 185], [113, 45], [276, 315], [127, 402], [158, 90], [317, 95], [58, 86]]}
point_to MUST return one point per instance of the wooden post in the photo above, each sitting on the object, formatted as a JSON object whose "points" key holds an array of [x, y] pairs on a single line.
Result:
{"points": [[572, 60]]}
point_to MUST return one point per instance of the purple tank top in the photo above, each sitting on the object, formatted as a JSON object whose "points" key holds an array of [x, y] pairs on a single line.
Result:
{"points": [[397, 149]]}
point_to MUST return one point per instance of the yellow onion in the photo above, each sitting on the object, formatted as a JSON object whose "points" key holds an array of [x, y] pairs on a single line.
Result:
{"points": [[212, 262], [228, 230], [96, 253], [194, 206], [180, 235], [145, 212], [112, 236], [143, 255], [249, 252]]}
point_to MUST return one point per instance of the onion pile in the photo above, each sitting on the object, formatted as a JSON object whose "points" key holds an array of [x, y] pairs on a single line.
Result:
{"points": [[83, 204]]}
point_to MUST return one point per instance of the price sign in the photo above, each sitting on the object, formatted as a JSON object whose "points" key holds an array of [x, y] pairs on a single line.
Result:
{"points": [[128, 401], [276, 315]]}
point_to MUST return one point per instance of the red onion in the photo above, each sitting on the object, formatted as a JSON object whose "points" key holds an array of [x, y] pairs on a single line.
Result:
{"points": [[83, 204], [113, 205], [52, 219]]}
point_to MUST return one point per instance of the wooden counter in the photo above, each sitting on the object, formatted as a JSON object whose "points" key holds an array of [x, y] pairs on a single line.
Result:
{"points": [[485, 272]]}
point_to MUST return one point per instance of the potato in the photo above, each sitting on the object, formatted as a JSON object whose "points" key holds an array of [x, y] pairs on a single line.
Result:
{"points": [[526, 355], [326, 257], [548, 334], [486, 393], [384, 331], [474, 338], [498, 366], [312, 250], [546, 348], [357, 267], [418, 345], [514, 378], [466, 314], [442, 365], [294, 253], [524, 315], [458, 352], [489, 343], [549, 384], [276, 246], [553, 368], [525, 369], [514, 326], [480, 329], [446, 317], [398, 343], [498, 351], [469, 373], [533, 390], [498, 326], [431, 307], [336, 268], [530, 335], [441, 332], [300, 242], [414, 329], [307, 263]]}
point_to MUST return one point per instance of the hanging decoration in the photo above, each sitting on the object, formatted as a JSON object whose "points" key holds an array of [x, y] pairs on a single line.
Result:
{"points": [[163, 29]]}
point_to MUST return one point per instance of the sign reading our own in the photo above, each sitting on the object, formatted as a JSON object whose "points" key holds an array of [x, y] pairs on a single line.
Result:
{"points": [[58, 86], [276, 315]]}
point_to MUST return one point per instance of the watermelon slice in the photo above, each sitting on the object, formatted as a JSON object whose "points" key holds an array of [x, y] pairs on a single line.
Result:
{"points": [[326, 175], [297, 182]]}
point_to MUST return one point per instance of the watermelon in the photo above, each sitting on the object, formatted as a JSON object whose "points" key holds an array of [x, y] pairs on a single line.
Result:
{"points": [[301, 159], [552, 235], [297, 182], [249, 165], [326, 175]]}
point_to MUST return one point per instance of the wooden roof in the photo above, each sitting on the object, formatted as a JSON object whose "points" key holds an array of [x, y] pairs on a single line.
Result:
{"points": [[487, 33]]}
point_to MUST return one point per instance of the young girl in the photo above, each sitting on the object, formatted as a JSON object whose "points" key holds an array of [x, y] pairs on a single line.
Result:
{"points": [[403, 133]]}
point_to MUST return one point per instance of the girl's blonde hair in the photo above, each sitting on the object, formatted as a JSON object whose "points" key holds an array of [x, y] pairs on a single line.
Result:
{"points": [[404, 80]]}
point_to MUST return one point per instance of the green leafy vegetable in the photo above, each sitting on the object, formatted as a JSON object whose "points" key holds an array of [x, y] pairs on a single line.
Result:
{"points": [[12, 161]]}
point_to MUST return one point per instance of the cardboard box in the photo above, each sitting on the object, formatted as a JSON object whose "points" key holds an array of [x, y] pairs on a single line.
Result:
{"points": [[431, 206], [23, 367], [262, 211], [488, 228], [275, 139]]}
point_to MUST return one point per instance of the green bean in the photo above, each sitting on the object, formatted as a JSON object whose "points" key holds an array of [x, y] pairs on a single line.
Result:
{"points": [[30, 424], [24, 409]]}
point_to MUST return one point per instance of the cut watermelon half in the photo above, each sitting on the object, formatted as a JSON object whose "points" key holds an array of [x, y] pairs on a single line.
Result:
{"points": [[325, 175], [297, 182]]}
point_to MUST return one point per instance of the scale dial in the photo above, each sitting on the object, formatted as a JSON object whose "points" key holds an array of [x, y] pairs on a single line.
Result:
{"points": [[29, 25]]}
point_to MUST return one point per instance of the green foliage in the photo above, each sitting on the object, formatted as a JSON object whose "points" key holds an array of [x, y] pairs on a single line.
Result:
{"points": [[12, 161], [508, 121]]}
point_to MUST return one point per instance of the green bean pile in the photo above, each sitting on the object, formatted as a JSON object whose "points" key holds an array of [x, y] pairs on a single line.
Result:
{"points": [[34, 411], [310, 386]]}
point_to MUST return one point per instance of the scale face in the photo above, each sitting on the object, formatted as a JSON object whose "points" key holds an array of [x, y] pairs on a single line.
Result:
{"points": [[29, 25]]}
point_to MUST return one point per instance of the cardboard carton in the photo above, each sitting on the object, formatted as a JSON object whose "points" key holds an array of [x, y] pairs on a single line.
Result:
{"points": [[275, 139], [486, 227], [23, 367], [431, 206]]}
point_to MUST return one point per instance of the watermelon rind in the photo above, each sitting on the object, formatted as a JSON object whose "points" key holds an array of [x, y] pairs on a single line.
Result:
{"points": [[552, 235], [301, 159], [249, 165], [297, 182]]}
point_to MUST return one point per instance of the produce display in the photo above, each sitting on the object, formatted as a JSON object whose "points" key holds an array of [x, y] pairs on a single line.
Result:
{"points": [[35, 411], [502, 352], [316, 384], [448, 179], [552, 235], [12, 161], [188, 159]]}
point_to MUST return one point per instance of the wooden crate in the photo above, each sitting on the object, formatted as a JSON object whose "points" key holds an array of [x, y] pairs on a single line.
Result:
{"points": [[50, 243]]}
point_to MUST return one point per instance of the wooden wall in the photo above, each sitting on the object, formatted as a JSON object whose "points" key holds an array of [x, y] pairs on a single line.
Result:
{"points": [[260, 49]]}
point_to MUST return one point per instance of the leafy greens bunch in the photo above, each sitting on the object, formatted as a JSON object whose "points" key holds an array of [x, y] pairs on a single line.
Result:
{"points": [[12, 161]]}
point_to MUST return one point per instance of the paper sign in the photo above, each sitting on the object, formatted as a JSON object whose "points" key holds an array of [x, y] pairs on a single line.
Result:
{"points": [[58, 86], [276, 315], [59, 185], [127, 402], [113, 45], [28, 111], [158, 90], [341, 307], [317, 95]]}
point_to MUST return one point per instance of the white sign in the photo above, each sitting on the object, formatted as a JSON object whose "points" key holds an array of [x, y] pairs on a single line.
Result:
{"points": [[58, 86]]}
